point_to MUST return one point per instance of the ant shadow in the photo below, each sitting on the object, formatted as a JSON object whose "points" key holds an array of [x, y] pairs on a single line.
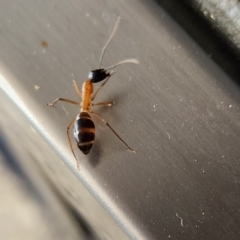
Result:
{"points": [[95, 155]]}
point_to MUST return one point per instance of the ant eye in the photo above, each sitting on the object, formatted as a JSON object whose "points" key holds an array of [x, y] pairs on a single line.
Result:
{"points": [[90, 75]]}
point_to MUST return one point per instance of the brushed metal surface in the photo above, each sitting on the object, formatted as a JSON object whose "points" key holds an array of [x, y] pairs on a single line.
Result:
{"points": [[38, 193], [223, 13], [29, 208], [177, 109]]}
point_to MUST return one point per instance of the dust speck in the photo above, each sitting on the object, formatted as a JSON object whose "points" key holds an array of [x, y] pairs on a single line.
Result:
{"points": [[44, 44]]}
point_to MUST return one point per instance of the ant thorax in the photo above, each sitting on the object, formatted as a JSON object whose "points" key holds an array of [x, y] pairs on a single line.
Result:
{"points": [[87, 90]]}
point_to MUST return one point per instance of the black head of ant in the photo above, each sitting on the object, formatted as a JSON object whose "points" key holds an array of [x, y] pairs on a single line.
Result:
{"points": [[101, 74], [98, 75]]}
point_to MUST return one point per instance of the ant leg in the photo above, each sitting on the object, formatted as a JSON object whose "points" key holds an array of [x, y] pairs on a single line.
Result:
{"points": [[70, 142], [64, 100], [112, 130], [77, 88], [109, 104], [94, 95]]}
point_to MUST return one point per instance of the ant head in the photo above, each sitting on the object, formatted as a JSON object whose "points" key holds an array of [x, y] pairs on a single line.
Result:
{"points": [[98, 75]]}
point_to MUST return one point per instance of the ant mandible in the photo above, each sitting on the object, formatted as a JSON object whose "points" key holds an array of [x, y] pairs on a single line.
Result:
{"points": [[84, 128]]}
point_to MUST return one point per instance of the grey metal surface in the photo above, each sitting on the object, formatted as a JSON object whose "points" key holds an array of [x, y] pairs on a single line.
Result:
{"points": [[35, 187], [223, 15], [177, 109], [29, 209]]}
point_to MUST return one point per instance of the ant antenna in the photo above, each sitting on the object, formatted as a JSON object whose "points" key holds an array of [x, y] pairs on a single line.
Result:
{"points": [[131, 60], [109, 39]]}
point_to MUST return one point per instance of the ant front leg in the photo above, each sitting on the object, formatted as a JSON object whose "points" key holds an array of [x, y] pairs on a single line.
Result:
{"points": [[77, 89], [95, 94]]}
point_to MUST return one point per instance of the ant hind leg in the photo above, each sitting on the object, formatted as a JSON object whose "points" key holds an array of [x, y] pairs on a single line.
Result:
{"points": [[96, 114], [70, 142]]}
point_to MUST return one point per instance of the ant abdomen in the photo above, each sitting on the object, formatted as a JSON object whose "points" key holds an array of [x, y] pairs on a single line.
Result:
{"points": [[84, 132], [98, 75]]}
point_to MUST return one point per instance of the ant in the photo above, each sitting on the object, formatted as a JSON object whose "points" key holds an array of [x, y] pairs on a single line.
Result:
{"points": [[83, 125]]}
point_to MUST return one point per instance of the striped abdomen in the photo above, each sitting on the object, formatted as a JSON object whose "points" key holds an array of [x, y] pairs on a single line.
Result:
{"points": [[84, 132]]}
